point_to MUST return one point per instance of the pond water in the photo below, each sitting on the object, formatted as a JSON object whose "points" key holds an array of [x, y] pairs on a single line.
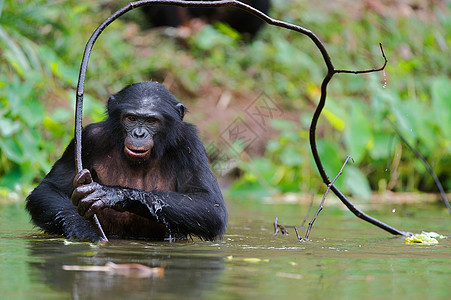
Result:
{"points": [[345, 259]]}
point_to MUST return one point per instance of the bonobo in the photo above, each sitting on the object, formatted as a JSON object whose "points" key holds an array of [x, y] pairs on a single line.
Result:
{"points": [[146, 175]]}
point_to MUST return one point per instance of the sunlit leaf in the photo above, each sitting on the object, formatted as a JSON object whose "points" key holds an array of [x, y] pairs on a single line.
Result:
{"points": [[11, 148], [14, 53], [334, 120], [357, 182], [8, 127], [29, 144], [11, 178], [291, 157], [358, 132], [441, 95], [227, 30], [32, 113]]}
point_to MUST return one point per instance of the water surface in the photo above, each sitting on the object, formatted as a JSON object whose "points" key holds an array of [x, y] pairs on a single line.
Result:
{"points": [[345, 259]]}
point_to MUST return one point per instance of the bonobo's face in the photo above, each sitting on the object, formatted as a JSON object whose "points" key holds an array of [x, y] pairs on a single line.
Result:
{"points": [[140, 126], [147, 113]]}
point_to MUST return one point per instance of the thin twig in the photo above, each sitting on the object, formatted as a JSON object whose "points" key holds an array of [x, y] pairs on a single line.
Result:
{"points": [[322, 200], [297, 233], [282, 228], [427, 165], [369, 70]]}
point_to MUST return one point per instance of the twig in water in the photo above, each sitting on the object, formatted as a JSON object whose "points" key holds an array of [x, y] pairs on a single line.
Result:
{"points": [[322, 201], [297, 233], [283, 228]]}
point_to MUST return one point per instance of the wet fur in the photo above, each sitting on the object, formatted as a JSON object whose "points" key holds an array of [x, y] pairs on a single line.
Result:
{"points": [[176, 176]]}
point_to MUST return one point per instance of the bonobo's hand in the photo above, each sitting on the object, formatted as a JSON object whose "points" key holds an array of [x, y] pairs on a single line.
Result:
{"points": [[88, 196]]}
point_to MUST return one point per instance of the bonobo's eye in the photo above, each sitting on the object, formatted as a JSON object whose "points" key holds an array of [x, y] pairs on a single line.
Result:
{"points": [[130, 118]]}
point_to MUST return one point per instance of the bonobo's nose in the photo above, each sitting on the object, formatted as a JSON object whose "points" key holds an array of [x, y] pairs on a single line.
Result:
{"points": [[139, 132]]}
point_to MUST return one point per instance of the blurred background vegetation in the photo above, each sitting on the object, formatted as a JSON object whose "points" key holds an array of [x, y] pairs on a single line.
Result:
{"points": [[42, 42]]}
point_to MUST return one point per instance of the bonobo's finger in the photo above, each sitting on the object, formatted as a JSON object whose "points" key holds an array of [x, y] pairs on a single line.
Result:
{"points": [[85, 204], [81, 192], [82, 177], [94, 208]]}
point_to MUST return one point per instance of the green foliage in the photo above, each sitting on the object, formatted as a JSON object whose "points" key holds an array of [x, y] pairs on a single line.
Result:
{"points": [[41, 44], [360, 111], [369, 137], [30, 72]]}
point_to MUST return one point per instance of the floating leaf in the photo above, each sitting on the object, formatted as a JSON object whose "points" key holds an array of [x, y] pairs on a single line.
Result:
{"points": [[425, 238], [248, 259]]}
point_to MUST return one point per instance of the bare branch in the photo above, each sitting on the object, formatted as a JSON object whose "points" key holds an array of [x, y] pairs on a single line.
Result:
{"points": [[282, 228], [297, 233], [322, 201], [370, 70]]}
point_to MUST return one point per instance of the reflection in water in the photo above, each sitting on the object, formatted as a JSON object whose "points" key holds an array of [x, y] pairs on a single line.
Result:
{"points": [[184, 275]]}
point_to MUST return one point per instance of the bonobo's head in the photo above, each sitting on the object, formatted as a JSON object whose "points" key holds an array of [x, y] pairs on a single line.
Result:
{"points": [[147, 112]]}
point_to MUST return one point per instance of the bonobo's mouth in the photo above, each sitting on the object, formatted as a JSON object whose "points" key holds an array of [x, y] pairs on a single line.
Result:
{"points": [[137, 153]]}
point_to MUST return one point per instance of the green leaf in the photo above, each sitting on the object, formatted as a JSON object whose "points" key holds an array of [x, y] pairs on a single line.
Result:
{"points": [[358, 132], [32, 113], [357, 182], [227, 30], [334, 120], [11, 178], [61, 114], [332, 159], [29, 144], [380, 145], [8, 127], [291, 157], [11, 149], [441, 103]]}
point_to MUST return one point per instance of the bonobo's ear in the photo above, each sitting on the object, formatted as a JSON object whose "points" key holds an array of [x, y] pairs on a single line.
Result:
{"points": [[181, 110], [111, 105]]}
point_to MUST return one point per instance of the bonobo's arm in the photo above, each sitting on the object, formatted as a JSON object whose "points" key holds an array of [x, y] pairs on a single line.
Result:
{"points": [[196, 209], [50, 205]]}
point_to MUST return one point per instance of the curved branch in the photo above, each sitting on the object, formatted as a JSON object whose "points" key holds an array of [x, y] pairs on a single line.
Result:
{"points": [[369, 70], [330, 72], [338, 193]]}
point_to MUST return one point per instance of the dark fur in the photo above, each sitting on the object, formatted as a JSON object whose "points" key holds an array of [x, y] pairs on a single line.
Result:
{"points": [[171, 194]]}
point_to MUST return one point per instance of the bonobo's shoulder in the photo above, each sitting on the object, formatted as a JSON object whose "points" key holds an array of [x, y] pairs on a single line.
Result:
{"points": [[97, 136], [189, 130], [94, 130], [193, 142], [190, 133]]}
